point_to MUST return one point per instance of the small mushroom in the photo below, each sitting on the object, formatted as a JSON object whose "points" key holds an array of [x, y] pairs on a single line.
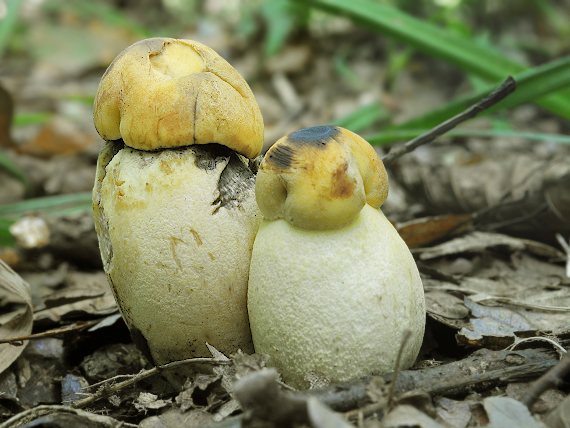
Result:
{"points": [[332, 286], [173, 200]]}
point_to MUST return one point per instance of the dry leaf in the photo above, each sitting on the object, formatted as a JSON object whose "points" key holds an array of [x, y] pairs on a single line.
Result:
{"points": [[14, 289], [408, 416], [147, 401], [477, 242], [445, 304], [424, 231], [60, 136], [454, 413], [505, 412], [321, 416], [560, 417], [523, 193], [494, 327]]}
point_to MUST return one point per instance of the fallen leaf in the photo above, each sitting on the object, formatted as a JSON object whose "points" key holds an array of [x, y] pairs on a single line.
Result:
{"points": [[321, 416], [424, 231], [60, 136], [406, 416], [445, 305], [478, 242], [14, 289], [147, 401], [504, 412], [560, 417], [174, 417], [455, 413]]}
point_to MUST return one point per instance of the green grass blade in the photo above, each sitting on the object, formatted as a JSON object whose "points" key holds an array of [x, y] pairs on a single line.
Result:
{"points": [[435, 41], [11, 168], [531, 84], [363, 117], [24, 119], [54, 205], [484, 61], [107, 13], [8, 22], [50, 205], [6, 238], [392, 135]]}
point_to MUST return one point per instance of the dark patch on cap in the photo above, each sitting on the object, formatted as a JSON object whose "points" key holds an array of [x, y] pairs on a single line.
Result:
{"points": [[317, 135], [342, 185], [141, 343], [282, 156]]}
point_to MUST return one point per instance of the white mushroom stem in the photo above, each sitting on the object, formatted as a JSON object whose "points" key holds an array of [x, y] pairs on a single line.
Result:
{"points": [[176, 228], [335, 301]]}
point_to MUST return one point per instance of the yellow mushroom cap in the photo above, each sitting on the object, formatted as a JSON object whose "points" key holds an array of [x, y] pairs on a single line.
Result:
{"points": [[164, 93], [320, 178]]}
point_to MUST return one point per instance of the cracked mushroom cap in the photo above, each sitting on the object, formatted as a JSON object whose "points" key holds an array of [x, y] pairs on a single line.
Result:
{"points": [[164, 93], [320, 178]]}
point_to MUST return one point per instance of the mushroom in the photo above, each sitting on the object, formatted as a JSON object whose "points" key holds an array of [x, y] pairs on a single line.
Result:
{"points": [[332, 286], [174, 201]]}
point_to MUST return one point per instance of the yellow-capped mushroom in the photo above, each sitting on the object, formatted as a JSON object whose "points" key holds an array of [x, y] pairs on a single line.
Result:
{"points": [[332, 286], [174, 200]]}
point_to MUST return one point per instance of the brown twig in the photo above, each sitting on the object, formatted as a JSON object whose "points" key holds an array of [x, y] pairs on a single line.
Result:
{"points": [[508, 87], [525, 217], [30, 418], [260, 396], [105, 390], [264, 401], [550, 379], [81, 325], [482, 370], [405, 337]]}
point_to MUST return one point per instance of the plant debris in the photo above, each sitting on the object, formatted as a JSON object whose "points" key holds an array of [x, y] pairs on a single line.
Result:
{"points": [[487, 218]]}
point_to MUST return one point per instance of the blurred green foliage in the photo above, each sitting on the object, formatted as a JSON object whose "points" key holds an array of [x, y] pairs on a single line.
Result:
{"points": [[50, 205], [484, 38]]}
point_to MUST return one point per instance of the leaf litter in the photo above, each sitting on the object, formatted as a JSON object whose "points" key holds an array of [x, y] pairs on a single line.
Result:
{"points": [[497, 302]]}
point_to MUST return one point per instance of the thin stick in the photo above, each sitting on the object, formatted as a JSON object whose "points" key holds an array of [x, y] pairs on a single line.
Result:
{"points": [[105, 391], [493, 98], [548, 380], [81, 325], [566, 247], [405, 337]]}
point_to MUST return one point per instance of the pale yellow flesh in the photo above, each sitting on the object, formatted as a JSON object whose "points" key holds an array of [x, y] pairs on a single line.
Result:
{"points": [[334, 301], [178, 270]]}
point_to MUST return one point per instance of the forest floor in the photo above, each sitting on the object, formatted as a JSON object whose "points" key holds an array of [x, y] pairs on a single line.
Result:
{"points": [[480, 215]]}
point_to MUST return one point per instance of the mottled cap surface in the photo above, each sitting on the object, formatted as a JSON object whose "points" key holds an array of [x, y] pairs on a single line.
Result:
{"points": [[164, 93], [320, 178]]}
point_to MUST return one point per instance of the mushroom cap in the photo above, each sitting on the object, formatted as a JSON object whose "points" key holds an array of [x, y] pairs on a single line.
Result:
{"points": [[164, 93], [320, 178]]}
